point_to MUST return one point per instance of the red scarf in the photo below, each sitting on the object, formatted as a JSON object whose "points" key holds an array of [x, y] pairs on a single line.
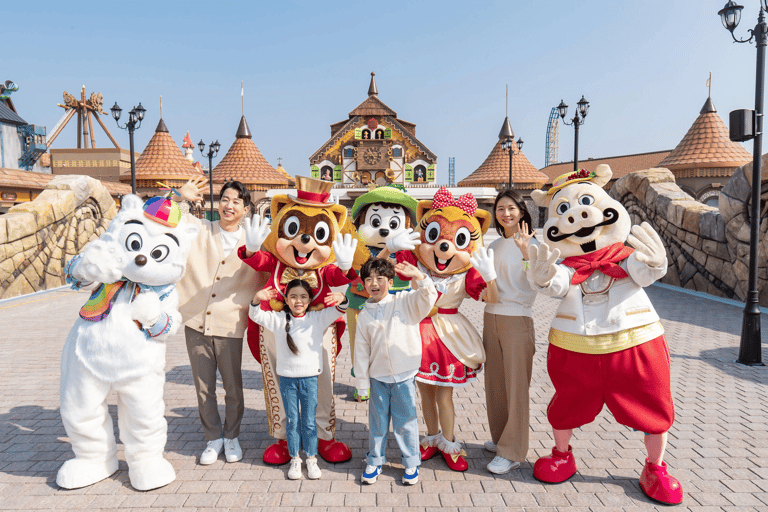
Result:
{"points": [[606, 260]]}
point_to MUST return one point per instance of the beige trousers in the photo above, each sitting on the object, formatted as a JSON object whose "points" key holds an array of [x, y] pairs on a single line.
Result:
{"points": [[325, 416], [206, 355], [510, 343]]}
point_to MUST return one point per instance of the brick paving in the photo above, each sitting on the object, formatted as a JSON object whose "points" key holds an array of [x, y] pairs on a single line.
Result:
{"points": [[718, 445]]}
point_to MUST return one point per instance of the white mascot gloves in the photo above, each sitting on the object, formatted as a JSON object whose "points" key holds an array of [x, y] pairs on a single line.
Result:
{"points": [[404, 241], [146, 309], [482, 261], [103, 261], [543, 267], [649, 248], [344, 248], [256, 231]]}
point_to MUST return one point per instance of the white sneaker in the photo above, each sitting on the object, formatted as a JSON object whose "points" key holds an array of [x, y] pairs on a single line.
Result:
{"points": [[500, 465], [212, 451], [411, 476], [232, 450], [294, 472], [490, 446], [313, 471]]}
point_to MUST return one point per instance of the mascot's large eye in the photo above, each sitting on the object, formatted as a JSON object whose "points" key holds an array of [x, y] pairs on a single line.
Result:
{"points": [[375, 221], [322, 231], [291, 227], [133, 242], [160, 252], [394, 223], [462, 238], [432, 233], [586, 200], [562, 208]]}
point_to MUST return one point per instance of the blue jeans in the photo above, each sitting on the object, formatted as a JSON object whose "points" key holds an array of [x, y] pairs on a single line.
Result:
{"points": [[300, 391], [396, 402]]}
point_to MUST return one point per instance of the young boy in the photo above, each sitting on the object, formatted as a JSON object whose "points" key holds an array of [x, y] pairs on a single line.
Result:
{"points": [[388, 353]]}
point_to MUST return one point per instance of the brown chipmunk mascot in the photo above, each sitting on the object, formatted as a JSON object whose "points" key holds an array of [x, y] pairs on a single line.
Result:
{"points": [[303, 241], [450, 250], [606, 344]]}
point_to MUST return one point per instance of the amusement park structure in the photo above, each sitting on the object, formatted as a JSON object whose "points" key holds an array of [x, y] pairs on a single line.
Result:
{"points": [[551, 156]]}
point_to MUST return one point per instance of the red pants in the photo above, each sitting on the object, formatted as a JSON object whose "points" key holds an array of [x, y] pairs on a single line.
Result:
{"points": [[633, 383]]}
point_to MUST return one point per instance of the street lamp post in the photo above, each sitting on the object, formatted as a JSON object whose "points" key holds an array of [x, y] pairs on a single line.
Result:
{"points": [[578, 120], [507, 139], [213, 148], [135, 117], [749, 348]]}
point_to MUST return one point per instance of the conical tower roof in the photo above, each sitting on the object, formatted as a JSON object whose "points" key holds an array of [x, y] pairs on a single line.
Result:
{"points": [[282, 171], [162, 160], [245, 163], [495, 170], [706, 145]]}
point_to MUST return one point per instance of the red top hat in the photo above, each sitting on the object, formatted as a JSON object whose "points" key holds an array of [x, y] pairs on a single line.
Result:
{"points": [[312, 192]]}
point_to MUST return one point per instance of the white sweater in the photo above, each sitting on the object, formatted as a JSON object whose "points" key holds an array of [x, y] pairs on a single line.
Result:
{"points": [[307, 333], [515, 294], [388, 343]]}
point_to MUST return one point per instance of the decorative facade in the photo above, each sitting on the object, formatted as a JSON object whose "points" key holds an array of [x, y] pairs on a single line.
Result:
{"points": [[21, 144], [373, 146]]}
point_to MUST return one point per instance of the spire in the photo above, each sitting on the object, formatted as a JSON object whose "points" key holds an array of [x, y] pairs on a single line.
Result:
{"points": [[708, 107], [161, 127], [187, 141], [506, 130], [372, 90], [242, 131]]}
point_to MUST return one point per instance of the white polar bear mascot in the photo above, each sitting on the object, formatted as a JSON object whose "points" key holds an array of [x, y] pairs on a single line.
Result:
{"points": [[118, 343], [606, 344]]}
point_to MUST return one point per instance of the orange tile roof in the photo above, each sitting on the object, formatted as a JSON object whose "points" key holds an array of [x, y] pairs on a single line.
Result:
{"points": [[706, 144], [620, 165], [16, 178], [244, 162], [495, 170], [162, 159]]}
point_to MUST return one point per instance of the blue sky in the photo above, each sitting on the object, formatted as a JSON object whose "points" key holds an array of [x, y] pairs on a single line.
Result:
{"points": [[440, 64]]}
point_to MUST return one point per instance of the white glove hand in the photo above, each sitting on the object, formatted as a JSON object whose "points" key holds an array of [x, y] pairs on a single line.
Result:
{"points": [[256, 231], [543, 264], [146, 309], [649, 248], [103, 261], [482, 261], [344, 248], [404, 241]]}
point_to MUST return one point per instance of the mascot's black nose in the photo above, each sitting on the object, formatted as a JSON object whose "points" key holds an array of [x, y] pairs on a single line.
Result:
{"points": [[140, 260], [305, 239], [444, 246], [383, 232]]}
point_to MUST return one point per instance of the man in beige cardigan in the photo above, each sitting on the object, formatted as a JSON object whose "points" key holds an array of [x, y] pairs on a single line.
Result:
{"points": [[213, 300]]}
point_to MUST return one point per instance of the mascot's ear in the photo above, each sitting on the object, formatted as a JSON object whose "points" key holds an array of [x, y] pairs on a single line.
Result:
{"points": [[484, 218], [340, 212], [277, 204], [541, 198], [602, 175], [131, 202], [423, 206]]}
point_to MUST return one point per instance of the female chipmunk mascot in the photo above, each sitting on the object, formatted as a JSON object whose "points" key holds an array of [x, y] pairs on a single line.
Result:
{"points": [[118, 344], [303, 241], [606, 344], [450, 250], [378, 216]]}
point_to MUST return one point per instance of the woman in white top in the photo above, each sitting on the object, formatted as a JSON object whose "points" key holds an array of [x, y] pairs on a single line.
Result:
{"points": [[508, 336], [299, 344]]}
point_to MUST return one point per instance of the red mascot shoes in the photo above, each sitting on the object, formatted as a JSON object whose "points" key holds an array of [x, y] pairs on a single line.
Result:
{"points": [[277, 454], [659, 485], [333, 451], [427, 452], [555, 468]]}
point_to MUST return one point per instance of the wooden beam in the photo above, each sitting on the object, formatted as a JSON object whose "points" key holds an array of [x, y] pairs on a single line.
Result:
{"points": [[79, 128], [67, 118], [98, 118], [90, 127]]}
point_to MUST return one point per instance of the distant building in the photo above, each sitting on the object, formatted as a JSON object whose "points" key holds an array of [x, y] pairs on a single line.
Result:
{"points": [[620, 165], [21, 144]]}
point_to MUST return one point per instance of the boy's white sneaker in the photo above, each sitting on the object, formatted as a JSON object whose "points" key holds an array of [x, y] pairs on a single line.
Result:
{"points": [[232, 450], [370, 474], [313, 471], [500, 465], [294, 472], [411, 476], [490, 446], [212, 451]]}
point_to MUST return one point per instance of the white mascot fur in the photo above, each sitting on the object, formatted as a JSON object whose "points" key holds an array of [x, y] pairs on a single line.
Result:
{"points": [[118, 344]]}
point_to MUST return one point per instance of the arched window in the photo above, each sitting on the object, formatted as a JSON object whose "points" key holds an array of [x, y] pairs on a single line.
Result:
{"points": [[365, 177], [397, 152], [381, 178], [419, 173], [379, 133], [366, 134], [326, 173]]}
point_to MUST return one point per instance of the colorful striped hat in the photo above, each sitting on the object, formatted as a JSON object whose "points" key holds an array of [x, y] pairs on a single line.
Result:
{"points": [[163, 211]]}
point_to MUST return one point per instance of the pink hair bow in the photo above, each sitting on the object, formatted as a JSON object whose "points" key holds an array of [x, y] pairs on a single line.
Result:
{"points": [[466, 202]]}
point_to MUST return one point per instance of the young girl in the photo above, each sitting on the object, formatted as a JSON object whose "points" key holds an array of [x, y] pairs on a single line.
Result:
{"points": [[299, 343], [508, 336]]}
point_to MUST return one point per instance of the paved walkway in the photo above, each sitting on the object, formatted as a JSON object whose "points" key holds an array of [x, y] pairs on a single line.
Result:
{"points": [[718, 445]]}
